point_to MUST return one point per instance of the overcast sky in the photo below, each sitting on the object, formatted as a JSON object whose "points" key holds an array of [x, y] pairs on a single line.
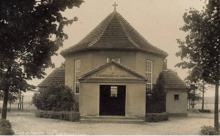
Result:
{"points": [[157, 20]]}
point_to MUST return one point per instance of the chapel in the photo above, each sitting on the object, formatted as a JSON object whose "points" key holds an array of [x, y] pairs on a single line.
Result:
{"points": [[112, 69]]}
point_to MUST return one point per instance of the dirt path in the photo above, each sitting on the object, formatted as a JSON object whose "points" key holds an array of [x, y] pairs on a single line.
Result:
{"points": [[27, 123]]}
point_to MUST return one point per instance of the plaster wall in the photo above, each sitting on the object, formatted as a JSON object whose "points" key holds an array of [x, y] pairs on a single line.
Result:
{"points": [[135, 99], [176, 106], [93, 59]]}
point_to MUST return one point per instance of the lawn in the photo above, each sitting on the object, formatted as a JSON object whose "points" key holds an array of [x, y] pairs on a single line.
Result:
{"points": [[25, 123]]}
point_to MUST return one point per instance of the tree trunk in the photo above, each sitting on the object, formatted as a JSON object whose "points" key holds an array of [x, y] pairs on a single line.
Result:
{"points": [[5, 103], [203, 95], [216, 123]]}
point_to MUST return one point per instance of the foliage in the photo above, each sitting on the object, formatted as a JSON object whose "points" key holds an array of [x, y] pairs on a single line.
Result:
{"points": [[196, 87], [156, 117], [31, 31], [5, 123], [193, 94], [156, 100], [5, 127], [208, 130], [63, 115], [205, 111], [12, 97], [200, 50], [55, 98]]}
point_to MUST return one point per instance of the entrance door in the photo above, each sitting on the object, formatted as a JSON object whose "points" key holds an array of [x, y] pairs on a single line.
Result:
{"points": [[112, 100]]}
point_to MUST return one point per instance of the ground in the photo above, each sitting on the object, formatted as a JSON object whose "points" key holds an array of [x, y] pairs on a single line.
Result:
{"points": [[26, 123]]}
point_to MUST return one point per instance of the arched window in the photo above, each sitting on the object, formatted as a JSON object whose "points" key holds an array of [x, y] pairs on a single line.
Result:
{"points": [[148, 74]]}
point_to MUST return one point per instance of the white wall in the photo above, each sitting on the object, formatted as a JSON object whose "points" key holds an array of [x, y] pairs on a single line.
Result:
{"points": [[176, 106]]}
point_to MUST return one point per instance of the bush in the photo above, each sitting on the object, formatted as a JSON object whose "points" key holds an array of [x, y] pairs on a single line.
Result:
{"points": [[5, 127], [55, 98], [156, 99], [208, 130], [156, 117], [63, 115], [5, 123], [205, 111]]}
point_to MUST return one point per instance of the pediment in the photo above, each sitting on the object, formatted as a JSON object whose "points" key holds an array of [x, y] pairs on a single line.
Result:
{"points": [[114, 71]]}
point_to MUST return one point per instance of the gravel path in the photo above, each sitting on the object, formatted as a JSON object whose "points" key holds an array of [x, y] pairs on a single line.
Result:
{"points": [[25, 123]]}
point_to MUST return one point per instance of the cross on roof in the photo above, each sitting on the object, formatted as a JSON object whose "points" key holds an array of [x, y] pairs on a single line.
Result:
{"points": [[115, 6]]}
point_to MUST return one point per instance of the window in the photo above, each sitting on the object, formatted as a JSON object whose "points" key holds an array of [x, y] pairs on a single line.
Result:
{"points": [[118, 60], [77, 87], [148, 73], [77, 74], [176, 97], [114, 91]]}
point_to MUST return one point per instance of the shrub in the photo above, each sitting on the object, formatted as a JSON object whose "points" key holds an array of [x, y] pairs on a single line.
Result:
{"points": [[63, 115], [156, 117], [5, 123], [5, 127], [205, 111], [6, 131], [55, 98], [156, 99], [208, 130]]}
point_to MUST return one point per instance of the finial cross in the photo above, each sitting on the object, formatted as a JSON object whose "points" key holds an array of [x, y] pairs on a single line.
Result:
{"points": [[115, 6]]}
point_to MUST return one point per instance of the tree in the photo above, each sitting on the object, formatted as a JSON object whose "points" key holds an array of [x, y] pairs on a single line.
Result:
{"points": [[31, 31], [193, 94], [195, 84], [201, 47], [12, 97]]}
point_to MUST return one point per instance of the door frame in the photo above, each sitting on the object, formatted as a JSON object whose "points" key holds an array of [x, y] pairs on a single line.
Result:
{"points": [[125, 94]]}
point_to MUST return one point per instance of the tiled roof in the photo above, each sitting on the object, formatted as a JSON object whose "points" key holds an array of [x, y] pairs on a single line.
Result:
{"points": [[56, 77], [114, 33], [172, 80]]}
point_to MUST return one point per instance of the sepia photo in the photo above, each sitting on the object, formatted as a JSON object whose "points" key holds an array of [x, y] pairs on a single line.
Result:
{"points": [[109, 67]]}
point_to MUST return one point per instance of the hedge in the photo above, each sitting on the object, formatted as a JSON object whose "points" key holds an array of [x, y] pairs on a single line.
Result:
{"points": [[62, 115], [208, 130], [205, 111], [156, 117], [5, 127]]}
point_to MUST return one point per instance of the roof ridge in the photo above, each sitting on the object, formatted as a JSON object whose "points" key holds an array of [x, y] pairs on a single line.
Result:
{"points": [[125, 37], [126, 33], [101, 34], [135, 31]]}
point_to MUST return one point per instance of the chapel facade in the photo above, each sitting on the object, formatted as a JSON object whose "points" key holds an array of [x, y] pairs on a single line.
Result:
{"points": [[113, 68]]}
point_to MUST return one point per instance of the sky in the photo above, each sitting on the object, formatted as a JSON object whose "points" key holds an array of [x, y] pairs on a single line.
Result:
{"points": [[158, 21]]}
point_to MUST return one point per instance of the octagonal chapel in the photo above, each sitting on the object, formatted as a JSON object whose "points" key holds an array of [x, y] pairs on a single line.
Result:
{"points": [[113, 68]]}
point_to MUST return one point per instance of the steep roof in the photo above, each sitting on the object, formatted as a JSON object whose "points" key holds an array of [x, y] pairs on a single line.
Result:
{"points": [[114, 33], [172, 80], [56, 77]]}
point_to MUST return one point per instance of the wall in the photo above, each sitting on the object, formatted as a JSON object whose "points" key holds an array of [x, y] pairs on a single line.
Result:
{"points": [[93, 59], [135, 99], [89, 99], [173, 106], [86, 66], [157, 64]]}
